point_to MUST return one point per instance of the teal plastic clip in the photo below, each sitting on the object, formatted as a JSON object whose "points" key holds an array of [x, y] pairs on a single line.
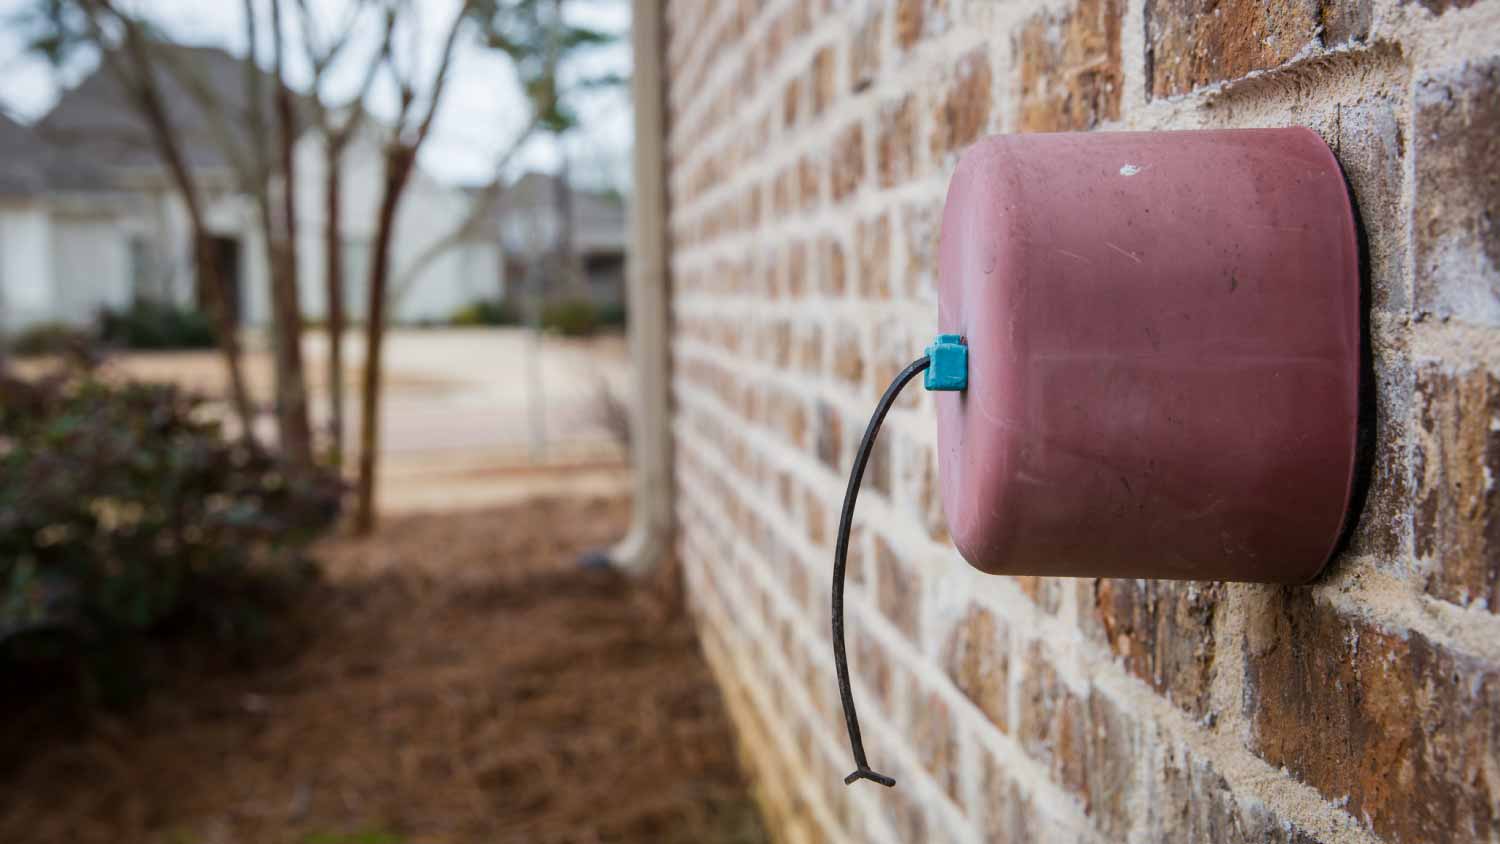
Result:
{"points": [[948, 363]]}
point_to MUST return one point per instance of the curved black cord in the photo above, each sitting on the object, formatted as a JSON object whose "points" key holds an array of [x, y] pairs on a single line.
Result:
{"points": [[840, 555]]}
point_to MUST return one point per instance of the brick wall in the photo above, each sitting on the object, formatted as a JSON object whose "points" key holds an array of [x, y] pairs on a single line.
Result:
{"points": [[809, 148]]}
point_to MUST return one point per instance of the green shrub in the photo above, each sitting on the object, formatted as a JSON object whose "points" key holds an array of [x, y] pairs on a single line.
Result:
{"points": [[486, 312], [613, 315], [122, 507], [157, 325], [51, 338], [571, 317]]}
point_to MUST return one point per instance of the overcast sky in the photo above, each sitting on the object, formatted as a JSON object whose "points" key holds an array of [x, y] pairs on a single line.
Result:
{"points": [[481, 109]]}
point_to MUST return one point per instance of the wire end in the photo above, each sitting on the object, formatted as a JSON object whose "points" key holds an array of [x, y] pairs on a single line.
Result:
{"points": [[872, 776]]}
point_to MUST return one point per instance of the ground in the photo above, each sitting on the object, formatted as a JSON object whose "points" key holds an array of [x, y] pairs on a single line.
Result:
{"points": [[455, 678]]}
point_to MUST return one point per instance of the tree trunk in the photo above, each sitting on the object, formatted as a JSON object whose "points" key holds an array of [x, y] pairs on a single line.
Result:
{"points": [[286, 330], [147, 99], [291, 385], [398, 167], [334, 255], [571, 282], [206, 265]]}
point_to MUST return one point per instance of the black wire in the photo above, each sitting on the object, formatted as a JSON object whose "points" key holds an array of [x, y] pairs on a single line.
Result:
{"points": [[840, 556]]}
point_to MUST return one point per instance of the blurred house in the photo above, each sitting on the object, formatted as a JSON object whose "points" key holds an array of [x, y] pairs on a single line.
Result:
{"points": [[89, 217], [596, 225], [59, 256]]}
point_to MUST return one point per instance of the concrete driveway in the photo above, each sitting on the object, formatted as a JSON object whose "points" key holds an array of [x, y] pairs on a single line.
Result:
{"points": [[457, 415]]}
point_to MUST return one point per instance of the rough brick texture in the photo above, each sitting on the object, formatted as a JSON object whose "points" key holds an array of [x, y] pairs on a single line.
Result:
{"points": [[809, 149]]}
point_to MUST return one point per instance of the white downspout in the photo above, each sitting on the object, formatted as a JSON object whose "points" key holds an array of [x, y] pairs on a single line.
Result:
{"points": [[650, 536]]}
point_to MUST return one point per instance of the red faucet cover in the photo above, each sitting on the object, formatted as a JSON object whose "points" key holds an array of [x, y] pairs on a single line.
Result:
{"points": [[1164, 347]]}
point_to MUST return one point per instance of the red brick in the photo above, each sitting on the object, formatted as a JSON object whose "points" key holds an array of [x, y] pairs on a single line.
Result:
{"points": [[1384, 521], [871, 667], [781, 195], [848, 171], [905, 814], [822, 82], [1438, 7], [977, 657], [797, 287], [900, 590], [1457, 524], [1348, 21], [917, 19], [908, 22], [896, 143], [809, 356], [934, 736], [831, 268], [893, 354], [1036, 703], [1112, 743], [1207, 810], [963, 111], [1071, 77], [779, 332], [1043, 591], [878, 472], [830, 436], [1456, 132], [920, 225], [872, 247], [921, 482], [1164, 632], [1009, 815], [795, 579], [848, 361], [1051, 723], [1191, 43], [1403, 729], [1370, 146], [810, 181], [857, 565], [865, 53], [817, 518]]}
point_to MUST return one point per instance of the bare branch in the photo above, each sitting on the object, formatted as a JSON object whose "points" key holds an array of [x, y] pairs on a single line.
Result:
{"points": [[140, 85], [440, 80], [341, 134], [479, 212], [321, 56], [259, 179]]}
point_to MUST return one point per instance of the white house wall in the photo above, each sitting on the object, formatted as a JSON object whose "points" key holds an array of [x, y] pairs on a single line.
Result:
{"points": [[429, 211], [26, 295], [66, 263], [90, 267]]}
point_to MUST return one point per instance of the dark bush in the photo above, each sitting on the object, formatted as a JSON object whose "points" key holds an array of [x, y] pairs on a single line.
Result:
{"points": [[157, 325], [122, 507], [51, 338], [486, 312], [571, 317], [613, 315]]}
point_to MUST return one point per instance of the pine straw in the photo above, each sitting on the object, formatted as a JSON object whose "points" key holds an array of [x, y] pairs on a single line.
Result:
{"points": [[456, 679]]}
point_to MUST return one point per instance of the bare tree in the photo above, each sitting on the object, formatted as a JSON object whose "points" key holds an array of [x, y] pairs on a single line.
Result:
{"points": [[260, 151], [140, 58], [537, 40], [291, 383], [132, 63], [338, 126], [408, 132], [478, 220]]}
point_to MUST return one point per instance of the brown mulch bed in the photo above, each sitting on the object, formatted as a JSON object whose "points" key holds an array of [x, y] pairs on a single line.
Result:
{"points": [[454, 679]]}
